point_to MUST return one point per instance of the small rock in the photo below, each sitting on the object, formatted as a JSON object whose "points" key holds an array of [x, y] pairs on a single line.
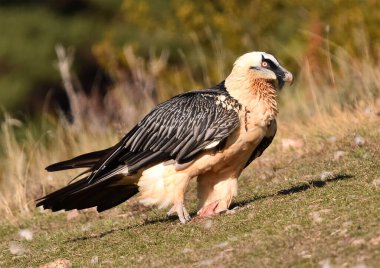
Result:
{"points": [[41, 209], [347, 223], [85, 227], [357, 242], [26, 234], [72, 215], [207, 224], [292, 143], [292, 226], [375, 241], [187, 250], [108, 263], [304, 254], [325, 263], [338, 155], [16, 248], [227, 250], [326, 175], [368, 110], [233, 210], [58, 263], [94, 260], [232, 238], [340, 232], [316, 216], [360, 265], [376, 182], [359, 140], [332, 139], [222, 245], [206, 262]]}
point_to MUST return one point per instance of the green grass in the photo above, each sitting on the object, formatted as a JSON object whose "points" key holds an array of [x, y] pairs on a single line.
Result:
{"points": [[286, 216]]}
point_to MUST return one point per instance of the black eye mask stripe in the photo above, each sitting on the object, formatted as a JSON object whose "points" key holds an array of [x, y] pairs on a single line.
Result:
{"points": [[271, 64]]}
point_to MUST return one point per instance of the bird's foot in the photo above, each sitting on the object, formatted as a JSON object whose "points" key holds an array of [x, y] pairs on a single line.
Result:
{"points": [[181, 211], [213, 208]]}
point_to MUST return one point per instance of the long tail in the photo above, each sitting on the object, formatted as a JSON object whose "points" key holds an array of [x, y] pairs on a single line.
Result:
{"points": [[80, 195], [82, 161]]}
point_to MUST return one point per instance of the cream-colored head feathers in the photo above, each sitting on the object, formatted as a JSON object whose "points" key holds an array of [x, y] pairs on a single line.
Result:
{"points": [[253, 59], [260, 65]]}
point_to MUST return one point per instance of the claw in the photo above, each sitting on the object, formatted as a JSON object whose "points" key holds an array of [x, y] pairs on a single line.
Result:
{"points": [[171, 212], [216, 207], [208, 210], [181, 211]]}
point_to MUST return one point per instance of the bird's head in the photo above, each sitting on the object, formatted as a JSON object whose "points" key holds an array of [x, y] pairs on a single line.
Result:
{"points": [[263, 66]]}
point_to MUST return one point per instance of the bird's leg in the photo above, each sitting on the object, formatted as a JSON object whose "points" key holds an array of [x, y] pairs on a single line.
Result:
{"points": [[178, 197], [181, 211], [215, 196]]}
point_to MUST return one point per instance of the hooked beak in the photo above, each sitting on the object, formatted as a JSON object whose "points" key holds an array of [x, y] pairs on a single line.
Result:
{"points": [[283, 76], [288, 77]]}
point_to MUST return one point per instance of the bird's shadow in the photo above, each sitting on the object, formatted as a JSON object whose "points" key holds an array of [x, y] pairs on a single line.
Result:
{"points": [[288, 191], [294, 189]]}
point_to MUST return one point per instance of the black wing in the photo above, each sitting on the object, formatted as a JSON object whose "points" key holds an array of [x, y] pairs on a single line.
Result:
{"points": [[179, 129]]}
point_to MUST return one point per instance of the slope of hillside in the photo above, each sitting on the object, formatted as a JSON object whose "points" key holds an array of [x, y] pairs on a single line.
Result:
{"points": [[309, 201]]}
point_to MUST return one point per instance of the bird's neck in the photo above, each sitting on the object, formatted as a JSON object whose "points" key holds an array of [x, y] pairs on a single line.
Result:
{"points": [[254, 94]]}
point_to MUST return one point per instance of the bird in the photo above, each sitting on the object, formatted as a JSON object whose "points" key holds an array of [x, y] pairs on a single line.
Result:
{"points": [[210, 135]]}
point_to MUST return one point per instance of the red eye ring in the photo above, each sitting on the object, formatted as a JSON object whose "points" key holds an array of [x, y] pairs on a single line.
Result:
{"points": [[264, 64]]}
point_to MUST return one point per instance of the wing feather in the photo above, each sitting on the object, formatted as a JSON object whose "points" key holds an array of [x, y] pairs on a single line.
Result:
{"points": [[179, 129]]}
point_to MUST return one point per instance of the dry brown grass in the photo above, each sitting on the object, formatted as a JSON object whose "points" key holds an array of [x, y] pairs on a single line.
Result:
{"points": [[315, 105]]}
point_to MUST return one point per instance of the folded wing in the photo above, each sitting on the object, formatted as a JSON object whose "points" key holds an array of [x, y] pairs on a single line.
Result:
{"points": [[178, 129]]}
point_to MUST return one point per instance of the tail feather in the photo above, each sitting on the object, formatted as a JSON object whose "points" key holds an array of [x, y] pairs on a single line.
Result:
{"points": [[82, 161], [80, 195]]}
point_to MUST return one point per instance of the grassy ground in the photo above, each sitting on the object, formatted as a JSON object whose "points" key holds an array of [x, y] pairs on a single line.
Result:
{"points": [[315, 205]]}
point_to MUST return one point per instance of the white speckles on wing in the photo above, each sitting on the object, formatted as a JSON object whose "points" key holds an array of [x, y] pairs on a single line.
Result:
{"points": [[227, 103], [222, 97]]}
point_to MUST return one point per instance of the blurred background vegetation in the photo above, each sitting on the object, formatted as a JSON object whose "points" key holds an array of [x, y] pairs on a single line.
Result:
{"points": [[30, 30], [197, 41]]}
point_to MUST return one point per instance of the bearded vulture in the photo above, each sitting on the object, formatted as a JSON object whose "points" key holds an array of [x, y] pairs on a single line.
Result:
{"points": [[210, 135]]}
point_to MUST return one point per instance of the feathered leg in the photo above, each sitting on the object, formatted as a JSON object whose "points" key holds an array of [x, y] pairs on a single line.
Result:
{"points": [[178, 185], [162, 185], [181, 211], [215, 195]]}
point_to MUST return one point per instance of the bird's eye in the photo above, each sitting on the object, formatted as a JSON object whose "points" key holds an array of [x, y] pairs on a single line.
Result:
{"points": [[265, 64]]}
